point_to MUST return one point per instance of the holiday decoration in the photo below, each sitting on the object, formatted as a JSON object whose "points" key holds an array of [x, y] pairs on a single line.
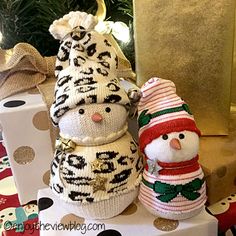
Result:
{"points": [[190, 43], [120, 31], [233, 85], [173, 186], [134, 220], [27, 130], [220, 170], [96, 169], [225, 211], [16, 27], [14, 218], [27, 139], [23, 68]]}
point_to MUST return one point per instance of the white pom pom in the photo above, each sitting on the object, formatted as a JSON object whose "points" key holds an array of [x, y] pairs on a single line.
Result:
{"points": [[60, 28]]}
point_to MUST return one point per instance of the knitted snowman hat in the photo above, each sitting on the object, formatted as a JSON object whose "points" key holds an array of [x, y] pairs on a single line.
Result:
{"points": [[86, 66], [162, 111]]}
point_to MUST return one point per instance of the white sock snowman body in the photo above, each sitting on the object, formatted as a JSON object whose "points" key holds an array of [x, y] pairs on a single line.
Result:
{"points": [[96, 169], [173, 186]]}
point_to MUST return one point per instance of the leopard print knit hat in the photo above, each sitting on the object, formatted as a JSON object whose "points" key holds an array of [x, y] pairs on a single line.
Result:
{"points": [[86, 66]]}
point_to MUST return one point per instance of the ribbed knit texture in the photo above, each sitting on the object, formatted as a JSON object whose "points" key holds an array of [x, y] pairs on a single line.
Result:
{"points": [[86, 66], [171, 189], [162, 111], [97, 169], [75, 126], [103, 209], [72, 175], [179, 207]]}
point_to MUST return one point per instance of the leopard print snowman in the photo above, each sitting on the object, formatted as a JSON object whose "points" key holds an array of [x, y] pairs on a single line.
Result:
{"points": [[96, 169]]}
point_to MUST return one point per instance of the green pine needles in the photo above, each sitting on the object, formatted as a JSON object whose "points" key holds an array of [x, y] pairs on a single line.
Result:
{"points": [[28, 21]]}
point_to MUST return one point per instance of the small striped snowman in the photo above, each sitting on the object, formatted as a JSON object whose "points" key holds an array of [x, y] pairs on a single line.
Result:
{"points": [[173, 184]]}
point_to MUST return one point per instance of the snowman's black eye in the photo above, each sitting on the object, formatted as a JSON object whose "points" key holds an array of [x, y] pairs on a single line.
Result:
{"points": [[81, 111], [108, 109], [181, 136], [165, 136], [10, 214]]}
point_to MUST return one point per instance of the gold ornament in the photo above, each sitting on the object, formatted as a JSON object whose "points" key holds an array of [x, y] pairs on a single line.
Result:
{"points": [[65, 145], [165, 224], [96, 165], [98, 184]]}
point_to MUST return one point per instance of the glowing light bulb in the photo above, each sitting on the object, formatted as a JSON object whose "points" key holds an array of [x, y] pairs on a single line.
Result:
{"points": [[103, 27], [1, 36], [121, 31]]}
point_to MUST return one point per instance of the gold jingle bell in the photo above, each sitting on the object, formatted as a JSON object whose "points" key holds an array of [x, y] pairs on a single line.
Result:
{"points": [[65, 145]]}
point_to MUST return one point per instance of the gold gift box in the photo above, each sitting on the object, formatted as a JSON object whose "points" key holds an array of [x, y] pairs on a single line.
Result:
{"points": [[218, 160], [233, 86], [191, 43]]}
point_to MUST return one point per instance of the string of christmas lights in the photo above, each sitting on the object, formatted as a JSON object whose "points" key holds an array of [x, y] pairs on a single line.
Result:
{"points": [[28, 21]]}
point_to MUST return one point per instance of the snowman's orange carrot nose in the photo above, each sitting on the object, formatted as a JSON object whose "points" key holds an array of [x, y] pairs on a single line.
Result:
{"points": [[97, 117], [175, 144]]}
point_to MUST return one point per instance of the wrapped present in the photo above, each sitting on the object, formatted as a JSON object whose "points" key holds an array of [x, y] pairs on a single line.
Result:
{"points": [[15, 219], [218, 160], [191, 43], [27, 140], [55, 220], [27, 130], [225, 212], [233, 88]]}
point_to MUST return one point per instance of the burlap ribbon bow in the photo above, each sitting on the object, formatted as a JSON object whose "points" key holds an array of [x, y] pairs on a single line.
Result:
{"points": [[22, 68]]}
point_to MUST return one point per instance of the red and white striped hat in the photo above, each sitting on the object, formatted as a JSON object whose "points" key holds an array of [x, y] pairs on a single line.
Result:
{"points": [[162, 111]]}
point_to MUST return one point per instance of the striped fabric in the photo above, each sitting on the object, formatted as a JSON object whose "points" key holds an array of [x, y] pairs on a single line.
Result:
{"points": [[159, 95], [178, 190], [179, 204], [161, 111]]}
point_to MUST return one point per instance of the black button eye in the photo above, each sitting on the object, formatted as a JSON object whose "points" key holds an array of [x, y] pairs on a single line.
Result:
{"points": [[108, 109], [10, 214], [2, 216], [165, 136], [181, 136], [81, 111]]}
